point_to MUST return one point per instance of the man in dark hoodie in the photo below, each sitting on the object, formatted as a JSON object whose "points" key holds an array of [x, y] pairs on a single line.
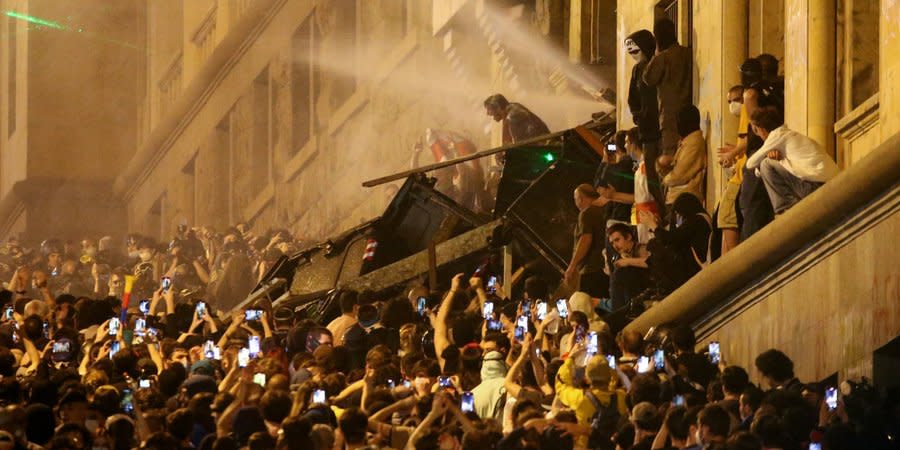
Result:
{"points": [[642, 101], [670, 73]]}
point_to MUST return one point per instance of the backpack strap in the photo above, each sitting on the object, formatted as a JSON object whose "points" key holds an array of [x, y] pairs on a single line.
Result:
{"points": [[594, 401]]}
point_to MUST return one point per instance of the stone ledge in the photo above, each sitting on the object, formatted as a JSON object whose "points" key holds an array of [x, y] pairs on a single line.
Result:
{"points": [[779, 276], [259, 202], [858, 121], [356, 102], [301, 159]]}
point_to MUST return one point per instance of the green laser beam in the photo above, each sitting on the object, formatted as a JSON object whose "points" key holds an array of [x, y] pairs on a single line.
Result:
{"points": [[58, 26], [37, 20]]}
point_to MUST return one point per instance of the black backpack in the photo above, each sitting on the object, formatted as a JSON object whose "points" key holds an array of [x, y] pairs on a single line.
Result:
{"points": [[605, 422]]}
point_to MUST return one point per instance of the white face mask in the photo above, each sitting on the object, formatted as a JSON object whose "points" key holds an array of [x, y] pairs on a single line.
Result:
{"points": [[133, 254], [735, 108], [633, 50]]}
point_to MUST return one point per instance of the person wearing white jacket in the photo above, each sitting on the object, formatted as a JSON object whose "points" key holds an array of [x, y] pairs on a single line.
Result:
{"points": [[790, 164]]}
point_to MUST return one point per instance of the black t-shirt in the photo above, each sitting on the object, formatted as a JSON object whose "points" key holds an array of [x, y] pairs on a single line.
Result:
{"points": [[592, 221], [644, 444], [732, 406], [621, 177], [700, 369]]}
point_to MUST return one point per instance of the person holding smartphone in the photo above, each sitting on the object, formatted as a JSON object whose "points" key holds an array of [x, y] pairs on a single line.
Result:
{"points": [[616, 175], [699, 368], [598, 376]]}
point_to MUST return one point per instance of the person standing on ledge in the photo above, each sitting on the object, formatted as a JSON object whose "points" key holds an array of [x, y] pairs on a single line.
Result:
{"points": [[519, 124], [669, 71], [585, 272]]}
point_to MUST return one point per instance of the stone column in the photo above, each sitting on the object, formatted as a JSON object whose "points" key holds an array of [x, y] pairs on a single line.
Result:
{"points": [[719, 47], [889, 88], [734, 52], [809, 69], [766, 20]]}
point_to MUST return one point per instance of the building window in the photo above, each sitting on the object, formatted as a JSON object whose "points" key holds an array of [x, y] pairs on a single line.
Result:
{"points": [[683, 20], [857, 53], [190, 200], [155, 222], [12, 31], [261, 148], [303, 78], [346, 30], [602, 32], [250, 130], [227, 152]]}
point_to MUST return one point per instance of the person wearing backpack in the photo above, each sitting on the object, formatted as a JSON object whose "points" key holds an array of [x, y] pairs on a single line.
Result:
{"points": [[590, 390]]}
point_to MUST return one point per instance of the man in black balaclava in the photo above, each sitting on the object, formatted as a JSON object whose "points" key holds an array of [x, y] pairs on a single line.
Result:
{"points": [[642, 101]]}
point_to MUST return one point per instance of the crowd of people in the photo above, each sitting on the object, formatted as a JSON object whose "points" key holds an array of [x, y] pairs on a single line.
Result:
{"points": [[109, 347], [653, 177], [471, 368]]}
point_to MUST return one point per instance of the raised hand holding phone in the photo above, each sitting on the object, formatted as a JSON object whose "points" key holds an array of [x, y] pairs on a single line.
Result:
{"points": [[456, 282], [467, 402], [714, 352]]}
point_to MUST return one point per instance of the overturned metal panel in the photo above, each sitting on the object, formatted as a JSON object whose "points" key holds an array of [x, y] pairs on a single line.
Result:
{"points": [[417, 216], [534, 217], [414, 266]]}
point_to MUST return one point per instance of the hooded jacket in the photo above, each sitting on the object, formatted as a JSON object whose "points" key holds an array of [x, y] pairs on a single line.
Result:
{"points": [[670, 73], [642, 99], [581, 301], [489, 393]]}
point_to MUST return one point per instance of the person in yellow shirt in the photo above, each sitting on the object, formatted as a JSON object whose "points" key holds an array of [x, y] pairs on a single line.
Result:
{"points": [[727, 217], [602, 382]]}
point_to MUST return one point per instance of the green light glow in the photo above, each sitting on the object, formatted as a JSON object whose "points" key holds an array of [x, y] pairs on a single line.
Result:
{"points": [[36, 20], [59, 26], [549, 157]]}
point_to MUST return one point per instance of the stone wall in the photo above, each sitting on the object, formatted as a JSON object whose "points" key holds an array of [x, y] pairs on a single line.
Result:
{"points": [[830, 318], [245, 169]]}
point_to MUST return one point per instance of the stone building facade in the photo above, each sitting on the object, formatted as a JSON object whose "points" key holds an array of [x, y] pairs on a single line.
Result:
{"points": [[67, 115], [275, 111], [832, 305]]}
